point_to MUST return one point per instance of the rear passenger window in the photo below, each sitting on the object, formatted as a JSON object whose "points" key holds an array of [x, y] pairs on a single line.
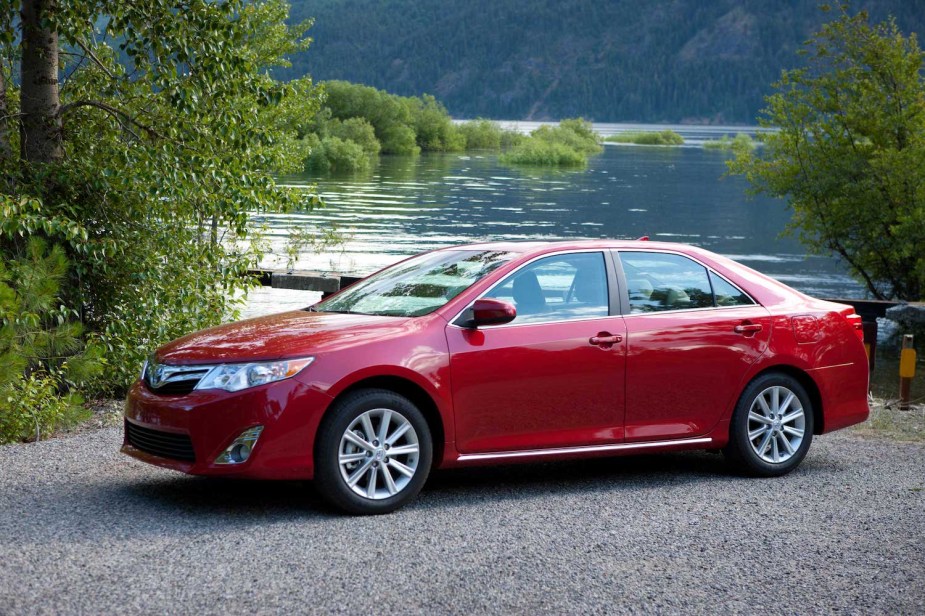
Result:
{"points": [[728, 295], [660, 281]]}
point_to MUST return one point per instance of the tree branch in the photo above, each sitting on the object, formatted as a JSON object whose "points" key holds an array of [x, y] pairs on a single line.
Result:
{"points": [[121, 116], [96, 60]]}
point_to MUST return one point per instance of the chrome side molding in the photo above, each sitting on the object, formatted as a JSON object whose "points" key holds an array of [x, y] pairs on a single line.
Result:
{"points": [[557, 451]]}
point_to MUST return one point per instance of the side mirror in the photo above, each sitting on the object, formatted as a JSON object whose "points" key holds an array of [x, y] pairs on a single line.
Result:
{"points": [[488, 311]]}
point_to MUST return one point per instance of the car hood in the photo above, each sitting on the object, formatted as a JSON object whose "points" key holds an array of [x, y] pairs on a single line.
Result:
{"points": [[289, 334]]}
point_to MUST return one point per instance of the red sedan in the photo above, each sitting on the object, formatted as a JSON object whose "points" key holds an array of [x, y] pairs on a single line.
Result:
{"points": [[506, 352]]}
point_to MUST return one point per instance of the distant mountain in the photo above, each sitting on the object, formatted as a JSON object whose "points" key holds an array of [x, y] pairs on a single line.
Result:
{"points": [[697, 61]]}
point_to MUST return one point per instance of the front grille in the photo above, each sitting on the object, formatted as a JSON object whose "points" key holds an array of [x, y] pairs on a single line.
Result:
{"points": [[174, 388], [168, 380], [163, 444]]}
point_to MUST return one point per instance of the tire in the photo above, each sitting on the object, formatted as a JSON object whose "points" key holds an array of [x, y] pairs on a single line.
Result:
{"points": [[354, 470], [770, 431]]}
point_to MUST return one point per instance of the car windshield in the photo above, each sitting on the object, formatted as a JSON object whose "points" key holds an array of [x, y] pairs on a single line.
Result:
{"points": [[417, 286]]}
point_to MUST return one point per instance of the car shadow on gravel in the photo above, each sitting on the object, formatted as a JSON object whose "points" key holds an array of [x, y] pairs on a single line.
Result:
{"points": [[576, 476], [182, 505]]}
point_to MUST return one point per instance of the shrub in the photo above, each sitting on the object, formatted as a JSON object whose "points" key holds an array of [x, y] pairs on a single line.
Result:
{"points": [[359, 131], [544, 153], [433, 128], [665, 137], [481, 134], [567, 145], [335, 155], [741, 142], [42, 355]]}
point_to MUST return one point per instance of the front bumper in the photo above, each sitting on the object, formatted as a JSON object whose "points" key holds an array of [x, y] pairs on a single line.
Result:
{"points": [[288, 410]]}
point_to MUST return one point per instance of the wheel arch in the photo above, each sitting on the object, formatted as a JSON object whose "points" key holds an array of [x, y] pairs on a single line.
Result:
{"points": [[804, 379], [413, 392]]}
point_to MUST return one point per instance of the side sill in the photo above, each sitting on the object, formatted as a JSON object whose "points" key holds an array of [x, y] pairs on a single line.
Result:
{"points": [[563, 451]]}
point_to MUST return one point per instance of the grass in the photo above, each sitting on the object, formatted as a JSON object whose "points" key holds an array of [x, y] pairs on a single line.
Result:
{"points": [[665, 137], [888, 422]]}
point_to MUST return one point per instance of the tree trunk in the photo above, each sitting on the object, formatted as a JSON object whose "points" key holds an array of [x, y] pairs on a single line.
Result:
{"points": [[5, 149], [40, 127]]}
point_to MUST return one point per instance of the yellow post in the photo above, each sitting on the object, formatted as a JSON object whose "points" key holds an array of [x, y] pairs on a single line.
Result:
{"points": [[906, 372]]}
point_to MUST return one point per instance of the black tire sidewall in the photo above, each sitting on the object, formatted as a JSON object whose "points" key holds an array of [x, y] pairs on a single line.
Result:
{"points": [[739, 449], [328, 479]]}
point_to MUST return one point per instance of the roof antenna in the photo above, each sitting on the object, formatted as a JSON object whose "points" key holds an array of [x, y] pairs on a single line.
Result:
{"points": [[644, 238]]}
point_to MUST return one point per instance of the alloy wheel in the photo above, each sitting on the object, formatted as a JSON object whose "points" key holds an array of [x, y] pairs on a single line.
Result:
{"points": [[776, 424], [378, 454]]}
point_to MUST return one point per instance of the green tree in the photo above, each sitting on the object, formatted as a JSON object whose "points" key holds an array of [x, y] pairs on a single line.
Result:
{"points": [[849, 152], [141, 137]]}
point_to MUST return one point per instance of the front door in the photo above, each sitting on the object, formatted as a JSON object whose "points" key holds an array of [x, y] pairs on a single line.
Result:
{"points": [[554, 376]]}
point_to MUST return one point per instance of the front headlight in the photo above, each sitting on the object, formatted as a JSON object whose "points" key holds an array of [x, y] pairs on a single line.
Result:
{"points": [[235, 377]]}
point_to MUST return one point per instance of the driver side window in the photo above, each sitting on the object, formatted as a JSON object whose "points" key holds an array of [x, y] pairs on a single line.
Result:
{"points": [[557, 288]]}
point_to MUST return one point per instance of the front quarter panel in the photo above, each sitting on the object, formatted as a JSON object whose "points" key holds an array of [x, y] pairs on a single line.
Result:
{"points": [[416, 353]]}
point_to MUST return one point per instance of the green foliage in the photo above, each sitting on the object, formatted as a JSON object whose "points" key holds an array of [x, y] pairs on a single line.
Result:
{"points": [[664, 137], [849, 155], [542, 153], [481, 134], [33, 406], [173, 133], [433, 129], [42, 353], [567, 145], [359, 131], [389, 115], [615, 61], [333, 154], [740, 143], [402, 125]]}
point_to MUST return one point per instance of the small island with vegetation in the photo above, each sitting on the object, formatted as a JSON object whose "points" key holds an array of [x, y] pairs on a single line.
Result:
{"points": [[662, 137]]}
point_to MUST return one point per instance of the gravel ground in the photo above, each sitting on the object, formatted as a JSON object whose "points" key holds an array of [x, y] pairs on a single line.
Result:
{"points": [[84, 529]]}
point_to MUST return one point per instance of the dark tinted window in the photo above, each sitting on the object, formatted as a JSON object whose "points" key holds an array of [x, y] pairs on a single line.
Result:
{"points": [[660, 281], [728, 295], [557, 288]]}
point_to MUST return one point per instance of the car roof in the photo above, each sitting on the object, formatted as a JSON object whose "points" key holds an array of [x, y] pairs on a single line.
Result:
{"points": [[536, 248]]}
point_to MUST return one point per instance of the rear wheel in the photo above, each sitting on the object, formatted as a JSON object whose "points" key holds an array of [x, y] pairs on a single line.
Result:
{"points": [[373, 452], [772, 426]]}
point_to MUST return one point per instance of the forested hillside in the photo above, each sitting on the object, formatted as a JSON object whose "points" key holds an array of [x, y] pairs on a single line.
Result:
{"points": [[621, 60]]}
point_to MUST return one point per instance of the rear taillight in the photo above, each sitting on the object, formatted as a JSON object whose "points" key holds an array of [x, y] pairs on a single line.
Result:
{"points": [[857, 324]]}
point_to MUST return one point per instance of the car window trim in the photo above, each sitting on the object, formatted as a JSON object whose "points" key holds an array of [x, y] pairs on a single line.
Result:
{"points": [[625, 298], [613, 308]]}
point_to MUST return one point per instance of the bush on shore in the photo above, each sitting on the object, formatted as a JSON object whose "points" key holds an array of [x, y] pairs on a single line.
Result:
{"points": [[665, 137], [567, 145]]}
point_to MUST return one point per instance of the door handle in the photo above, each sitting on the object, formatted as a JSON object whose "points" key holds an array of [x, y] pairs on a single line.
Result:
{"points": [[605, 338], [747, 328]]}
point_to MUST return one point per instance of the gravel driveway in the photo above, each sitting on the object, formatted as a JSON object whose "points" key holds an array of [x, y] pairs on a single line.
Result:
{"points": [[84, 529]]}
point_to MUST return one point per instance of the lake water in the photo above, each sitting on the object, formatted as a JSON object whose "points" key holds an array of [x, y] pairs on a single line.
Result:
{"points": [[406, 205]]}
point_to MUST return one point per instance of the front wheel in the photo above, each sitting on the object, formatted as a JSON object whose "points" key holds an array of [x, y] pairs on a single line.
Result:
{"points": [[772, 426], [373, 452]]}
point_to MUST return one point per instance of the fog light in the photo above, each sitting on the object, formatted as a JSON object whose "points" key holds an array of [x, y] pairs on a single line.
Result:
{"points": [[240, 450]]}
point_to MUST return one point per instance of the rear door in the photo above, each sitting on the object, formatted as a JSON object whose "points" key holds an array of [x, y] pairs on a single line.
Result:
{"points": [[691, 338], [553, 377]]}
